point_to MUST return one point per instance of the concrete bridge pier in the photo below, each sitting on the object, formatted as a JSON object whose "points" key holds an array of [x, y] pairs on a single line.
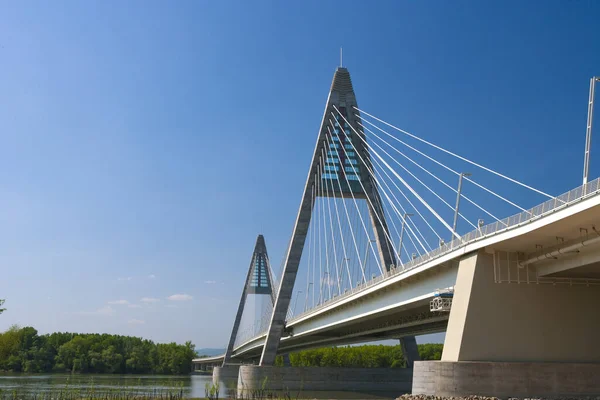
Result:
{"points": [[410, 350], [394, 381], [227, 374], [201, 367], [515, 339]]}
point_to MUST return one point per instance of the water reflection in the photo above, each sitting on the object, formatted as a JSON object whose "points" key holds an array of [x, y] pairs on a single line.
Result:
{"points": [[191, 385]]}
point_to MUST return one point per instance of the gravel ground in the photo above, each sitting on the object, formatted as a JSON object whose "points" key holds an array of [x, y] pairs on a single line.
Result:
{"points": [[425, 397]]}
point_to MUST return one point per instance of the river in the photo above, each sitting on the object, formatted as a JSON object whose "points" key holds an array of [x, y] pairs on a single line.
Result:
{"points": [[192, 385]]}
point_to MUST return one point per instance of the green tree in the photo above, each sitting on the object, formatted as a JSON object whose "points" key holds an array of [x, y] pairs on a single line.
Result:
{"points": [[431, 351], [9, 347], [24, 350], [2, 309], [367, 356], [112, 360]]}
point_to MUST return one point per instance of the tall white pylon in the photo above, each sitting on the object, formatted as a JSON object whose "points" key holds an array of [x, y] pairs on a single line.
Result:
{"points": [[339, 110], [258, 281]]}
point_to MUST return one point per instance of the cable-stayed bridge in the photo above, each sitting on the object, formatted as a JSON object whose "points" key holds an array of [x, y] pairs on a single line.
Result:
{"points": [[397, 236]]}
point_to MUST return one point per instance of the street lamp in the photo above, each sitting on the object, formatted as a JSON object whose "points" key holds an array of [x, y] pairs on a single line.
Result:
{"points": [[346, 259], [296, 302], [307, 292], [369, 241], [588, 132], [460, 179], [328, 284], [402, 235]]}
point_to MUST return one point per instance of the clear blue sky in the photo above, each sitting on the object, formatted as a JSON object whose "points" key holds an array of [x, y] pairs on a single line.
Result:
{"points": [[144, 145]]}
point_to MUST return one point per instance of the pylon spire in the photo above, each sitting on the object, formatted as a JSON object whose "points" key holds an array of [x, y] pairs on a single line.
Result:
{"points": [[342, 119], [259, 280]]}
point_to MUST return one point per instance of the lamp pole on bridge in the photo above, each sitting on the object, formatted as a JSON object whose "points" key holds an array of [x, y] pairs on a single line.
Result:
{"points": [[325, 280], [369, 243], [406, 215], [306, 298], [296, 302], [588, 132], [341, 280], [460, 179]]}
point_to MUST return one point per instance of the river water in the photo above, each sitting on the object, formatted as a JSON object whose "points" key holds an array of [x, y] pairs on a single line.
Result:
{"points": [[192, 385]]}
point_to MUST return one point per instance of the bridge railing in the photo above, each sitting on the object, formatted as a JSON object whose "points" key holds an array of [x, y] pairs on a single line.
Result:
{"points": [[514, 221], [253, 331]]}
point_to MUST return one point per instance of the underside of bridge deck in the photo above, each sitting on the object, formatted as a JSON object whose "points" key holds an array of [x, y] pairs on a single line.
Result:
{"points": [[506, 321]]}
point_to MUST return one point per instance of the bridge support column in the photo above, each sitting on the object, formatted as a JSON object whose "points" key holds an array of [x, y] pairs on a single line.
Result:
{"points": [[226, 374], [410, 350], [515, 337], [391, 381]]}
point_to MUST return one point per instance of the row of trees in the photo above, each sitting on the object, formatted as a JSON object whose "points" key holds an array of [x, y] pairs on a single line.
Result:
{"points": [[367, 356], [23, 350]]}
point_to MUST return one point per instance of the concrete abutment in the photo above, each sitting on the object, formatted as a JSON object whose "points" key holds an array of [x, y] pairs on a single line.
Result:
{"points": [[515, 339], [506, 379]]}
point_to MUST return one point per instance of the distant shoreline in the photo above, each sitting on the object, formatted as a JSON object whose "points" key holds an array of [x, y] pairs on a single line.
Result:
{"points": [[12, 373], [201, 373]]}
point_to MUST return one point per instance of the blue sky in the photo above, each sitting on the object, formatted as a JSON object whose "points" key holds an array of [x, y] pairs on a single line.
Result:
{"points": [[144, 145]]}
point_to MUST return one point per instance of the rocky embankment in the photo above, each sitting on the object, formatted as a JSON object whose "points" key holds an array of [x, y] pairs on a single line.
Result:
{"points": [[425, 397]]}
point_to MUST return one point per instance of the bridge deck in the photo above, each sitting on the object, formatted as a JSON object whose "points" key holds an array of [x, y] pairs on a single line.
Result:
{"points": [[327, 324]]}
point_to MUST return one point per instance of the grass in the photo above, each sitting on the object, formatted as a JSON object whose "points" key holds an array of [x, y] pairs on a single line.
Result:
{"points": [[84, 394], [212, 392], [263, 393], [91, 393]]}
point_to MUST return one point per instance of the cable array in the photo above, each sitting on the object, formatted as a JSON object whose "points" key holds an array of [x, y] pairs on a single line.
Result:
{"points": [[382, 204], [366, 175]]}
